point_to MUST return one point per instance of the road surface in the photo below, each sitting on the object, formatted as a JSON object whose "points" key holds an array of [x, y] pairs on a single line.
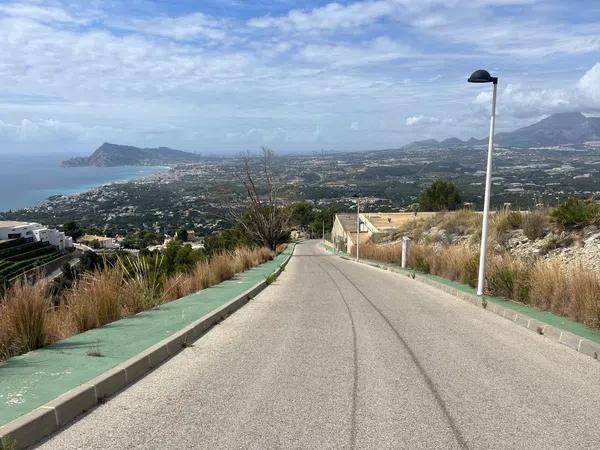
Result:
{"points": [[340, 355]]}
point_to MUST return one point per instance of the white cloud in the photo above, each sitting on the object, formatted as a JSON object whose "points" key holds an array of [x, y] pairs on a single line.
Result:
{"points": [[188, 27], [378, 50], [589, 85], [45, 130], [331, 17], [421, 120], [292, 80], [521, 101]]}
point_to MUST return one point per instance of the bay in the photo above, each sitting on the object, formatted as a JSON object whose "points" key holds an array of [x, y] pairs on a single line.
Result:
{"points": [[28, 179]]}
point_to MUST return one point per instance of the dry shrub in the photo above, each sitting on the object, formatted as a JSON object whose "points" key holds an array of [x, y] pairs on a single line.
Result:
{"points": [[222, 267], [419, 257], [451, 262], [508, 277], [458, 223], [23, 317], [96, 299], [175, 287], [59, 324], [280, 248], [203, 276], [266, 254], [550, 287], [387, 253], [535, 225], [502, 222], [462, 222], [243, 259], [584, 290]]}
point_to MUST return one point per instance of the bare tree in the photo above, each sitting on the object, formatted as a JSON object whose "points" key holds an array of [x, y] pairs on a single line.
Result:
{"points": [[265, 219]]}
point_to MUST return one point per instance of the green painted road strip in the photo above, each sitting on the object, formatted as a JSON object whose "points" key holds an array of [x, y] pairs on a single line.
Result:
{"points": [[38, 377]]}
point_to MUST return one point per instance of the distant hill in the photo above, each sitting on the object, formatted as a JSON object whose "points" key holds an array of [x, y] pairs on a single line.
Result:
{"points": [[110, 155], [557, 129]]}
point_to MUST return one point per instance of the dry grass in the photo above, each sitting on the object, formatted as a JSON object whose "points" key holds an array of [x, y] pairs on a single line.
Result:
{"points": [[458, 223], [95, 300], [23, 313], [508, 277], [550, 287], [221, 267], [535, 224], [387, 253], [584, 295], [28, 320], [502, 222]]}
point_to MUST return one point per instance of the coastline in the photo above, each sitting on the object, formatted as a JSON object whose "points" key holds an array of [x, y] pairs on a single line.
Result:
{"points": [[84, 179]]}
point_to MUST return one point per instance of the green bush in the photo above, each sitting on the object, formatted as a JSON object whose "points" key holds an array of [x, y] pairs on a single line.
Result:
{"points": [[441, 195], [576, 213], [509, 278]]}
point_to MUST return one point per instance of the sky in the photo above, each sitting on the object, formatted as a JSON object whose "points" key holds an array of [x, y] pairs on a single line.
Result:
{"points": [[226, 76]]}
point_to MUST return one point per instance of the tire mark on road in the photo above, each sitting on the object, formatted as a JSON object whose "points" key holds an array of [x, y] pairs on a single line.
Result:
{"points": [[428, 381], [355, 357]]}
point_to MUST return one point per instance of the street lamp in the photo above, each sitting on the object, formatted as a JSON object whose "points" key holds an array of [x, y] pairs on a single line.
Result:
{"points": [[483, 76], [357, 223]]}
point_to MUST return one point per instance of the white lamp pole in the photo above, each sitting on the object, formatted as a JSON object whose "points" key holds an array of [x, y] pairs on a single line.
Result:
{"points": [[357, 226], [482, 76]]}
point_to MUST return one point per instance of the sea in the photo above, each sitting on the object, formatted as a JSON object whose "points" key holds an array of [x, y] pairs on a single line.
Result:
{"points": [[28, 179]]}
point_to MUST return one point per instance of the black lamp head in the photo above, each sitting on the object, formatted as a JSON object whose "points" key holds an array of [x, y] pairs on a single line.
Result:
{"points": [[482, 76]]}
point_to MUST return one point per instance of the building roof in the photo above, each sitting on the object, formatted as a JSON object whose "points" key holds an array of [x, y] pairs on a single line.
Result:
{"points": [[91, 237], [12, 224], [389, 221], [348, 222]]}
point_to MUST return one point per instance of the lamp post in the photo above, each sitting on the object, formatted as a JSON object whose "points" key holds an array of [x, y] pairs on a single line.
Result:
{"points": [[357, 224], [483, 76]]}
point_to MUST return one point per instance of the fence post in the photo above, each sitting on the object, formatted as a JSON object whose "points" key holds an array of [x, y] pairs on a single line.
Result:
{"points": [[405, 250]]}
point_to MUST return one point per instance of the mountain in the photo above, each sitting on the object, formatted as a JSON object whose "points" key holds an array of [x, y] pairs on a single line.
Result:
{"points": [[110, 155], [557, 129]]}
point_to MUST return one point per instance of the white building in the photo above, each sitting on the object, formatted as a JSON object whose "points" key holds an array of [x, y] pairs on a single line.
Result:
{"points": [[103, 242], [34, 232]]}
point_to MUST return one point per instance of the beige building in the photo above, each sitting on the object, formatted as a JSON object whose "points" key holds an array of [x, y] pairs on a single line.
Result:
{"points": [[343, 233]]}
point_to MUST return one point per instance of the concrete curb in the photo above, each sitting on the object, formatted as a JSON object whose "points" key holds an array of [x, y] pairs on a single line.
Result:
{"points": [[31, 428], [584, 346]]}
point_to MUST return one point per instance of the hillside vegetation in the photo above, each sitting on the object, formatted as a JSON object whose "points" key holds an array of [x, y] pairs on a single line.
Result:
{"points": [[31, 317], [545, 258]]}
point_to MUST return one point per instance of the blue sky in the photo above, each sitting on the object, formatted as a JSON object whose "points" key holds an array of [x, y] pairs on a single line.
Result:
{"points": [[223, 76]]}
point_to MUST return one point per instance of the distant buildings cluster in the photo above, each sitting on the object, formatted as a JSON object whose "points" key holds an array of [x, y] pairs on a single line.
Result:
{"points": [[34, 232]]}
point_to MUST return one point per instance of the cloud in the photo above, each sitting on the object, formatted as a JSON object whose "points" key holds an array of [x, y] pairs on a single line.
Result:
{"points": [[421, 120], [47, 12], [44, 130], [589, 85], [521, 101], [378, 50], [182, 28], [232, 78], [331, 17]]}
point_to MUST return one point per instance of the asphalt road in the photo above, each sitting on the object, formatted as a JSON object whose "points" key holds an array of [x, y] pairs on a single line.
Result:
{"points": [[336, 355]]}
